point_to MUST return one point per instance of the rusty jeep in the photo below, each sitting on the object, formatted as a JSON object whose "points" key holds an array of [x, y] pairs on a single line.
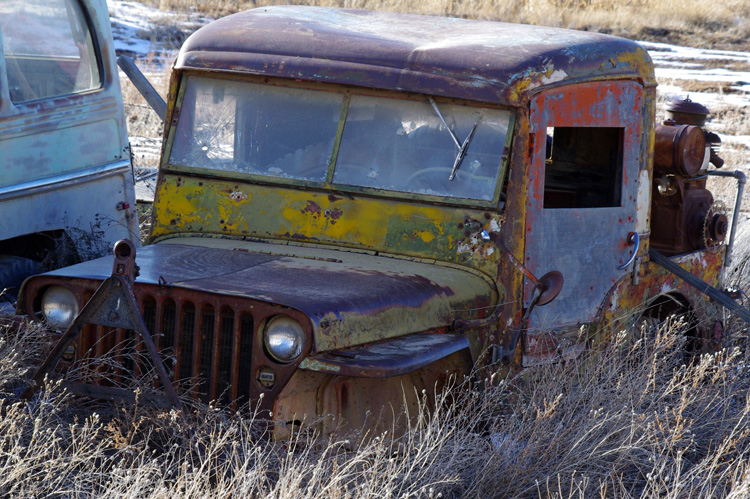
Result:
{"points": [[353, 206]]}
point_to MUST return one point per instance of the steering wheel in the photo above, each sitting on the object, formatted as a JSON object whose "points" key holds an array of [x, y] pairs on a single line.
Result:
{"points": [[428, 178]]}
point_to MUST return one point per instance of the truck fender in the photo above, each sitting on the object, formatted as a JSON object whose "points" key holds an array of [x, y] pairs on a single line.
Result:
{"points": [[371, 388], [389, 358]]}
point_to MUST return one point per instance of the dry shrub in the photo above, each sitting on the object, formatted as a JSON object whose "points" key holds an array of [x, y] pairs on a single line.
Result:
{"points": [[629, 422], [621, 422]]}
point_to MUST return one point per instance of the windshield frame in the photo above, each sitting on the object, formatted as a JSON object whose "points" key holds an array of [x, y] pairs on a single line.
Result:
{"points": [[496, 202]]}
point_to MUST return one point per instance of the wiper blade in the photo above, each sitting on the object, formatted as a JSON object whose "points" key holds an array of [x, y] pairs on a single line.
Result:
{"points": [[440, 115], [461, 147], [462, 151]]}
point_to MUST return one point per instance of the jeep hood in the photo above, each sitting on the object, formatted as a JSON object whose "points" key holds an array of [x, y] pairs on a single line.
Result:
{"points": [[350, 298]]}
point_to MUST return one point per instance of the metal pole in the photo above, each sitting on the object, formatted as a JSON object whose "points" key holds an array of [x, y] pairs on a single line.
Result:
{"points": [[741, 180]]}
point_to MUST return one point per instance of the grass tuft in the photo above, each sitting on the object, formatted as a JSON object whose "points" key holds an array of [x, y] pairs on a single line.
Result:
{"points": [[624, 421], [687, 22]]}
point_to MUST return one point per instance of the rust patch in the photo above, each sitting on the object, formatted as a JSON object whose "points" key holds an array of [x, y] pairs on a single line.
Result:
{"points": [[238, 196], [312, 208]]}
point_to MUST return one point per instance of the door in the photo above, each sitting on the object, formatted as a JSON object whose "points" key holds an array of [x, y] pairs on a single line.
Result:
{"points": [[582, 193]]}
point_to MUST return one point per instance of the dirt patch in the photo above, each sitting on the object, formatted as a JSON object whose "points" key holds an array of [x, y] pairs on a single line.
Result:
{"points": [[728, 64], [721, 87], [736, 120]]}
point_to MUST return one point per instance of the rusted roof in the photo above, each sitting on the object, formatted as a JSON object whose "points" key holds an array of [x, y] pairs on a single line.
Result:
{"points": [[477, 60]]}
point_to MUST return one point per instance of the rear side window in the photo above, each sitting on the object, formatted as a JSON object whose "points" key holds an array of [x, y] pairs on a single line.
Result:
{"points": [[49, 50]]}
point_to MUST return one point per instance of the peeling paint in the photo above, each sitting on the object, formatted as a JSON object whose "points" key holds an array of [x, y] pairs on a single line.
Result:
{"points": [[643, 202], [64, 154], [238, 196]]}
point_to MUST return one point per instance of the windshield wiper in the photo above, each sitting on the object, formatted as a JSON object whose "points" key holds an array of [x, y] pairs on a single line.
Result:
{"points": [[462, 151], [461, 147], [440, 115]]}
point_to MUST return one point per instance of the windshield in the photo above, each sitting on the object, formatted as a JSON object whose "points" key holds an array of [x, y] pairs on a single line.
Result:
{"points": [[348, 140]]}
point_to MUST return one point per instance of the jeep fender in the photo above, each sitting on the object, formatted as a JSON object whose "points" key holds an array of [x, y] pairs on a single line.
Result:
{"points": [[371, 388]]}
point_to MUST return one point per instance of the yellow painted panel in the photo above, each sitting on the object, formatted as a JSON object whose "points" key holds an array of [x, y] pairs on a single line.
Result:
{"points": [[190, 205]]}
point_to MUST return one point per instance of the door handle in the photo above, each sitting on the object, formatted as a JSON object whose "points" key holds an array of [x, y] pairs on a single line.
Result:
{"points": [[634, 239]]}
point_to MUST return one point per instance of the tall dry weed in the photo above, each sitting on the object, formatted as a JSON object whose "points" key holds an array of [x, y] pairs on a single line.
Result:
{"points": [[630, 420], [707, 24]]}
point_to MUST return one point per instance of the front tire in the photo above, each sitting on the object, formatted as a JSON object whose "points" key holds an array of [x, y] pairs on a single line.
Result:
{"points": [[13, 271]]}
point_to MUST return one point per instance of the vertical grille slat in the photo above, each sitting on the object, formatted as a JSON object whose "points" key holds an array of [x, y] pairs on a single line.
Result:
{"points": [[151, 314], [235, 353], [128, 350], [244, 372], [205, 347], [223, 357], [99, 343], [186, 345], [167, 336], [119, 354], [205, 351], [213, 379]]}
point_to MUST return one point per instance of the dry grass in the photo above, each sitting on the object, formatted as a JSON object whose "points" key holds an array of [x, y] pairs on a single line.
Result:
{"points": [[619, 423], [720, 87], [142, 121], [691, 22]]}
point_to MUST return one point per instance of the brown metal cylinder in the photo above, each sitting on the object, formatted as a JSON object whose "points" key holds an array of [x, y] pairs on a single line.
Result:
{"points": [[679, 150], [687, 112]]}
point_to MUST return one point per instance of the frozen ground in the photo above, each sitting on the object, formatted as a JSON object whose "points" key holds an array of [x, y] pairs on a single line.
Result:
{"points": [[149, 34], [677, 65]]}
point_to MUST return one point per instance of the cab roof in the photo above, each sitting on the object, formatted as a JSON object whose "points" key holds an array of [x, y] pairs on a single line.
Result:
{"points": [[484, 61]]}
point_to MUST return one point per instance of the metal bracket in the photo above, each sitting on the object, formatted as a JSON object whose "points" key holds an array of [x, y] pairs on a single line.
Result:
{"points": [[635, 273], [114, 305]]}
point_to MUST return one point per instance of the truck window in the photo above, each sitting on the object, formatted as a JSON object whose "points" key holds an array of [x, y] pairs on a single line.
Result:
{"points": [[404, 145], [48, 48], [414, 145], [583, 167], [257, 129]]}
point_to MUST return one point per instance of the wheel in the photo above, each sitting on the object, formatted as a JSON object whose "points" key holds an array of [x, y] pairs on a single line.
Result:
{"points": [[13, 271], [668, 312]]}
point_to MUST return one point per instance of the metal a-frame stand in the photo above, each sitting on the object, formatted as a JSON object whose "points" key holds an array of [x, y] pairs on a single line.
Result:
{"points": [[113, 305]]}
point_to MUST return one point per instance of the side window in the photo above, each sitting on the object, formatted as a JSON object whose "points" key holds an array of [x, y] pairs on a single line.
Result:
{"points": [[49, 51], [583, 167]]}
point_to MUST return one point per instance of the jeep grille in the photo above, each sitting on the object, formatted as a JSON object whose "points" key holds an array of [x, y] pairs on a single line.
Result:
{"points": [[206, 347]]}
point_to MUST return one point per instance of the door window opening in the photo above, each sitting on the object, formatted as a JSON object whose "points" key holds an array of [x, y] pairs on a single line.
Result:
{"points": [[583, 167]]}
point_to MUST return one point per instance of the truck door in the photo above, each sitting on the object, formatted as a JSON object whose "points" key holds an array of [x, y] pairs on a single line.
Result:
{"points": [[582, 191], [65, 172]]}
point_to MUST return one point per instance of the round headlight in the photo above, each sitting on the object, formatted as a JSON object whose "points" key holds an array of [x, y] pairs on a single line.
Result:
{"points": [[284, 338], [59, 306]]}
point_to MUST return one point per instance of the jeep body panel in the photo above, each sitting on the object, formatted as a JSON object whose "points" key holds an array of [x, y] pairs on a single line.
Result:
{"points": [[349, 298], [65, 163]]}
